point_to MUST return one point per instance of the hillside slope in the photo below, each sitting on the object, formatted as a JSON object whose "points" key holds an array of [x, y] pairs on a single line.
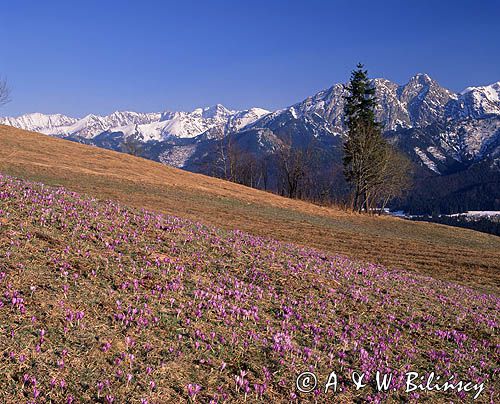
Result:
{"points": [[443, 252], [106, 304]]}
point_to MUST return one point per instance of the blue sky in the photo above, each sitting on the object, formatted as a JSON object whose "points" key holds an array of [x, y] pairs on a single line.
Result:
{"points": [[79, 57]]}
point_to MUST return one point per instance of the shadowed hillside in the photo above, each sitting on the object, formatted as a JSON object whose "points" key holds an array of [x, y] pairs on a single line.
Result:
{"points": [[443, 252]]}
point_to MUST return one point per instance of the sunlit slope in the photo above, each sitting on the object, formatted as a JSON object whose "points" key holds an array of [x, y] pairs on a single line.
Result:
{"points": [[101, 303], [460, 255]]}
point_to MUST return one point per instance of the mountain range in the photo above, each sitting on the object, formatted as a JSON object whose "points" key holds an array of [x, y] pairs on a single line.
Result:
{"points": [[154, 126], [453, 138]]}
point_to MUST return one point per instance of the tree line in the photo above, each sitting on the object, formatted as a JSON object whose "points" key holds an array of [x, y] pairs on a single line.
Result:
{"points": [[291, 170]]}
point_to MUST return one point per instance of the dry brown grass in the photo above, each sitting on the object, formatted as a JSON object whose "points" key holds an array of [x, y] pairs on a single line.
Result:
{"points": [[459, 255]]}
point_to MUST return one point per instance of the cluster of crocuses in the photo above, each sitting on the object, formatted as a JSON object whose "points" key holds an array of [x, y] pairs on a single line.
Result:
{"points": [[101, 303]]}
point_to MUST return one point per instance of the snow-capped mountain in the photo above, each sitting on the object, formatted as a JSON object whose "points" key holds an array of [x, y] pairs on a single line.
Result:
{"points": [[418, 103], [477, 102], [86, 127], [441, 126], [146, 127], [453, 137], [48, 124], [435, 126]]}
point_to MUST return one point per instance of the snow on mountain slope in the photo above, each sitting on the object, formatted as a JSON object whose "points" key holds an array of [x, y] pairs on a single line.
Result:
{"points": [[37, 122], [418, 103], [146, 126], [478, 102], [470, 119], [426, 160], [491, 92], [244, 118], [466, 125], [191, 124], [86, 127], [425, 100]]}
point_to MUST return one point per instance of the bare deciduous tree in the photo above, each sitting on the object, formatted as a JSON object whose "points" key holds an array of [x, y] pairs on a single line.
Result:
{"points": [[295, 169], [364, 162], [4, 92], [395, 179], [223, 163], [233, 164], [264, 166], [381, 173]]}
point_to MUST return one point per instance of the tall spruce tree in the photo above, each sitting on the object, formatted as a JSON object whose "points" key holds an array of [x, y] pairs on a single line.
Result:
{"points": [[365, 150]]}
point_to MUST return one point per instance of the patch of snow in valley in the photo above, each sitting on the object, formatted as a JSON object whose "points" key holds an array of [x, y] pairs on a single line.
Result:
{"points": [[477, 213]]}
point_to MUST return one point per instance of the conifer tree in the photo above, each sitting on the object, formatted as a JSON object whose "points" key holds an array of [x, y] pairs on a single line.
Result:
{"points": [[365, 150]]}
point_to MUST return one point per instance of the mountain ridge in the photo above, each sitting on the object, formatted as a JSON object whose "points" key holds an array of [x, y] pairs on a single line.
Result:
{"points": [[410, 99], [169, 123], [441, 131]]}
